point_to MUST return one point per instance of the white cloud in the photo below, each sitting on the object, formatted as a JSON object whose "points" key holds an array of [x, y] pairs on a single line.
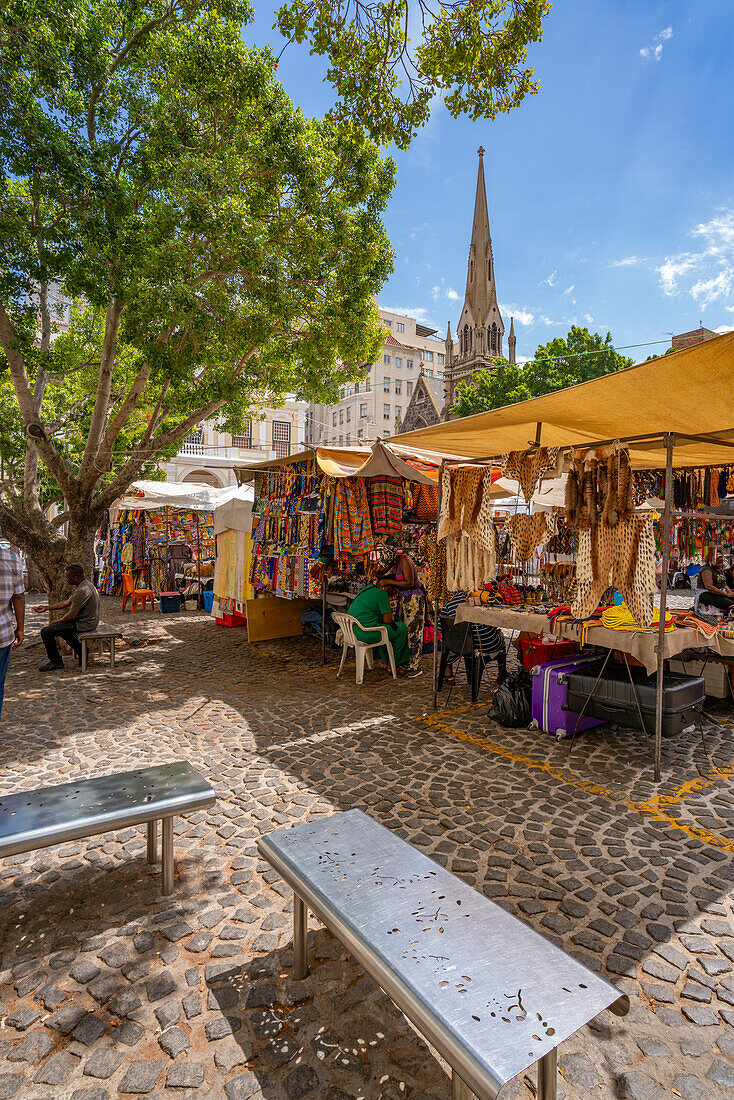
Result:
{"points": [[627, 261], [552, 279], [521, 360], [452, 295], [655, 51], [421, 315], [707, 274], [723, 328], [442, 291], [522, 316], [589, 319]]}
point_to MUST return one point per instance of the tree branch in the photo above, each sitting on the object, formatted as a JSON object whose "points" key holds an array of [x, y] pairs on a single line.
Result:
{"points": [[87, 472]]}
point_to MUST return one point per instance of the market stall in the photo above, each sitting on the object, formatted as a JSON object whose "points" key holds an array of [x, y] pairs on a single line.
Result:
{"points": [[162, 534], [601, 431], [233, 534]]}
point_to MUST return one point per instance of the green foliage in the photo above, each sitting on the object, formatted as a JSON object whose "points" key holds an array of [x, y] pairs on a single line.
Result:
{"points": [[563, 361], [223, 249], [473, 53], [491, 389]]}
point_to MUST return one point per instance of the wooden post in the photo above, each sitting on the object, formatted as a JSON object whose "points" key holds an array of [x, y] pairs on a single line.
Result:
{"points": [[669, 444], [436, 621]]}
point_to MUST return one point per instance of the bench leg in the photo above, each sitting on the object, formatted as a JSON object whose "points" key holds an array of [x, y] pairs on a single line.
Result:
{"points": [[84, 654], [167, 855], [112, 652], [459, 1089], [300, 937], [153, 841], [548, 1076]]}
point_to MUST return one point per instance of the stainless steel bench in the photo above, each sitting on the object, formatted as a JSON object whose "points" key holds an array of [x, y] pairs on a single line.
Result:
{"points": [[490, 994], [101, 635], [53, 815]]}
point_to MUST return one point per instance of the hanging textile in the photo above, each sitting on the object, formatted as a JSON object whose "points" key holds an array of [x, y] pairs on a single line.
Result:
{"points": [[386, 500], [425, 502], [527, 467], [435, 554], [461, 499], [352, 529], [527, 533], [411, 608], [468, 565], [623, 556]]}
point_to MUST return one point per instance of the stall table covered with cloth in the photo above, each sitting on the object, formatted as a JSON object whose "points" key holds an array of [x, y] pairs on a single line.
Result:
{"points": [[645, 411]]}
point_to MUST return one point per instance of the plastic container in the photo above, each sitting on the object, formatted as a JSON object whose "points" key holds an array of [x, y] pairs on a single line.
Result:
{"points": [[231, 620], [539, 651], [170, 602], [208, 600]]}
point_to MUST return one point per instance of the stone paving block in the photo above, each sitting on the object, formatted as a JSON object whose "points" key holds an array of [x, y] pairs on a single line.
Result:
{"points": [[103, 1063], [141, 1077], [57, 1069], [185, 1075]]}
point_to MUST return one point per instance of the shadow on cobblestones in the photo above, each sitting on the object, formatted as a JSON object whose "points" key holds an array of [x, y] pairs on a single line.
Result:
{"points": [[107, 986]]}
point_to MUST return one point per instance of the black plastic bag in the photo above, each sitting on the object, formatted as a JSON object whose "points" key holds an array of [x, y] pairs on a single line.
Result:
{"points": [[511, 706]]}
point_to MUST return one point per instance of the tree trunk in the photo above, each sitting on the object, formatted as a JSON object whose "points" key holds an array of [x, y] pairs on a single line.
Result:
{"points": [[35, 580]]}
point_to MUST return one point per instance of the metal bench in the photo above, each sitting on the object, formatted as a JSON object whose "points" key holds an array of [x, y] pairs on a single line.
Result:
{"points": [[54, 815], [490, 994], [101, 635]]}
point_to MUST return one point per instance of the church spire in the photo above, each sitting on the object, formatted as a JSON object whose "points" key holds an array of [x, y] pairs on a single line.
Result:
{"points": [[480, 288], [512, 340]]}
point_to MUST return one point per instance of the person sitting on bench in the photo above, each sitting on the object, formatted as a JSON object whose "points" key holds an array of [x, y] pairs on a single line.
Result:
{"points": [[82, 615], [712, 578]]}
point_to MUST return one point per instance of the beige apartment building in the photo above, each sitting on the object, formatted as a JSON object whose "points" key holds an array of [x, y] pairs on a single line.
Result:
{"points": [[368, 409]]}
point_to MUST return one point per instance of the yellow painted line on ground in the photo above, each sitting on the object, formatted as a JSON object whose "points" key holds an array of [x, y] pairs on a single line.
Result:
{"points": [[651, 808]]}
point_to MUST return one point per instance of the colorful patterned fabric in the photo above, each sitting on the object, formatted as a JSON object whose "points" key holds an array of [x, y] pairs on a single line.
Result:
{"points": [[352, 528], [411, 609], [386, 504]]}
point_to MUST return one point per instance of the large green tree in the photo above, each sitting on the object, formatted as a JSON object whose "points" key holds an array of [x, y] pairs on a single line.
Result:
{"points": [[221, 248], [563, 361]]}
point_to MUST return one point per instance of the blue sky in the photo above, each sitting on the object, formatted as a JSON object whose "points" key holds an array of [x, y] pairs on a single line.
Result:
{"points": [[611, 192]]}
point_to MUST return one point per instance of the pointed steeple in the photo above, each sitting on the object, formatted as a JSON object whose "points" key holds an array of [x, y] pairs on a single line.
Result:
{"points": [[512, 340]]}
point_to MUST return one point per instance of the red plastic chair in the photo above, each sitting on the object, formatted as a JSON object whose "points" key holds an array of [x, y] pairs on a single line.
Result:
{"points": [[139, 595]]}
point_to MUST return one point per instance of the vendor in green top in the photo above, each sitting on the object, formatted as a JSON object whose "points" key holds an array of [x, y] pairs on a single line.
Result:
{"points": [[371, 608]]}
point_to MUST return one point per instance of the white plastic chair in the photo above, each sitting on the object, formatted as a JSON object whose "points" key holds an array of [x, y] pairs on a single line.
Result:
{"points": [[362, 650]]}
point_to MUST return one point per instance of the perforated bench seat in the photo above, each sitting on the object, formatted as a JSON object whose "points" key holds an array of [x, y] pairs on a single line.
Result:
{"points": [[36, 819], [489, 993]]}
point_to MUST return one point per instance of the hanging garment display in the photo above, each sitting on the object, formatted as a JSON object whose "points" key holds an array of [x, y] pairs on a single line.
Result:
{"points": [[527, 533], [599, 487], [461, 498], [425, 502], [386, 499], [527, 467], [468, 565], [435, 554], [352, 529], [623, 556]]}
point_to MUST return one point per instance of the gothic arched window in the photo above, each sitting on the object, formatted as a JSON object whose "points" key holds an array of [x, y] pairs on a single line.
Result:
{"points": [[467, 342], [489, 268], [494, 336]]}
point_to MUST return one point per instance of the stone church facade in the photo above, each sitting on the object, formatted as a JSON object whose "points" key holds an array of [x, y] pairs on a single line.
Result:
{"points": [[480, 332]]}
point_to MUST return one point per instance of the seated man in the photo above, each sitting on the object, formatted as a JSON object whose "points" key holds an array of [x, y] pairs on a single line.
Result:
{"points": [[371, 608], [488, 641], [82, 616], [712, 578]]}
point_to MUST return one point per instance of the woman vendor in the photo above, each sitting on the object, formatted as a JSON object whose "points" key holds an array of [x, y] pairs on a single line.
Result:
{"points": [[713, 579], [400, 579], [488, 641], [371, 608]]}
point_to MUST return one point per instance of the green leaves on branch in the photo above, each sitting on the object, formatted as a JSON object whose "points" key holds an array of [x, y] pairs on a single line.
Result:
{"points": [[564, 361], [389, 61]]}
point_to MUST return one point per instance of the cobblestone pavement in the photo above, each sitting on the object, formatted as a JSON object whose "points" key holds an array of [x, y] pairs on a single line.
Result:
{"points": [[109, 989]]}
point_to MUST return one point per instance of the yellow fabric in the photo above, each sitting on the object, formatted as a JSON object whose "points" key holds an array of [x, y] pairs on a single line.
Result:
{"points": [[620, 618], [232, 567], [651, 397]]}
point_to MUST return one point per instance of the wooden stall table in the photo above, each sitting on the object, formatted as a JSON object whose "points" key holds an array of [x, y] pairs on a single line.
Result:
{"points": [[505, 618]]}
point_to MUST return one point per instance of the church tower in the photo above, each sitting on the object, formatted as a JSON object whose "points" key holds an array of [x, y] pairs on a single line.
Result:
{"points": [[480, 332]]}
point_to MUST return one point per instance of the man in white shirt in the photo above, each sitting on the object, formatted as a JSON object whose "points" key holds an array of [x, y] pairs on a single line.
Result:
{"points": [[12, 610]]}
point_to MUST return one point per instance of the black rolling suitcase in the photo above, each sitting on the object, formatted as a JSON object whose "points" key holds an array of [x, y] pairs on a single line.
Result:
{"points": [[614, 701]]}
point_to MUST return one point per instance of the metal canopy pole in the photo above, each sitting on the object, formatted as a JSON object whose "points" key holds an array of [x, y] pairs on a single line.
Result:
{"points": [[435, 600], [667, 513]]}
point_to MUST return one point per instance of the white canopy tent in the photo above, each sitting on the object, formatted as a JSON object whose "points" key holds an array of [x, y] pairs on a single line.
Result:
{"points": [[190, 495]]}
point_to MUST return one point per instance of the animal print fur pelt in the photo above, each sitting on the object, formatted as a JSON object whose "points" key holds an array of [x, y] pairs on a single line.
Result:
{"points": [[599, 486]]}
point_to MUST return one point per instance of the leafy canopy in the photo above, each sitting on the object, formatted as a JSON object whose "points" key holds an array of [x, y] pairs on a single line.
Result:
{"points": [[563, 361], [222, 248], [389, 61]]}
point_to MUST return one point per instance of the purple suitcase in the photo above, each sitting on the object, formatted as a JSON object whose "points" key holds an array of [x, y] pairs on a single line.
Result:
{"points": [[550, 692]]}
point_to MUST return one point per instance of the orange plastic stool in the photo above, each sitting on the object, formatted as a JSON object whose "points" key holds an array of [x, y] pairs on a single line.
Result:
{"points": [[139, 595]]}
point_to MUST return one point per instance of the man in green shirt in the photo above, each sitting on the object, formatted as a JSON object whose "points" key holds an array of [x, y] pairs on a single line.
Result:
{"points": [[82, 615], [371, 608]]}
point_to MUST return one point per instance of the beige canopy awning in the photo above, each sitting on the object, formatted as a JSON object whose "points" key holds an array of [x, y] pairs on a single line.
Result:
{"points": [[689, 393]]}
